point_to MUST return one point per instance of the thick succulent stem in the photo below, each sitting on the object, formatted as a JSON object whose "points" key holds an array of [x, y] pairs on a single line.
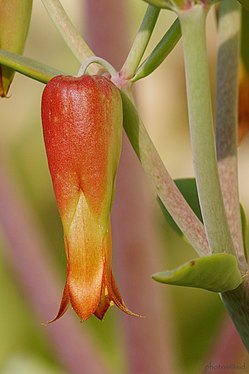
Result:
{"points": [[237, 304], [227, 118], [193, 24]]}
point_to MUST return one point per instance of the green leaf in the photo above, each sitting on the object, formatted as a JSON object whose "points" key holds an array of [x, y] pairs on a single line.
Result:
{"points": [[160, 52], [217, 272], [14, 24], [188, 188], [31, 68]]}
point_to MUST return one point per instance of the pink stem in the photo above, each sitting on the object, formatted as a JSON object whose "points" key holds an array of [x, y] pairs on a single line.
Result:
{"points": [[28, 254], [149, 343]]}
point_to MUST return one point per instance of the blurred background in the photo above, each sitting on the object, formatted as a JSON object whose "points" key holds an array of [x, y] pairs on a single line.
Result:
{"points": [[183, 328]]}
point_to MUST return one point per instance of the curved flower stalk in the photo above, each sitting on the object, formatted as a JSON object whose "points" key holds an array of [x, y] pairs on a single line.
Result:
{"points": [[82, 125], [14, 24]]}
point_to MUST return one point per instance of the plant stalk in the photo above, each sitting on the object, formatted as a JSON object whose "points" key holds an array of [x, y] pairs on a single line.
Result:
{"points": [[164, 186], [237, 304], [140, 43], [69, 33], [193, 24], [227, 118], [160, 52]]}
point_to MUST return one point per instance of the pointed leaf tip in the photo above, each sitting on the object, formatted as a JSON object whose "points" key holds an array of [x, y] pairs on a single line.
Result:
{"points": [[14, 24], [217, 273]]}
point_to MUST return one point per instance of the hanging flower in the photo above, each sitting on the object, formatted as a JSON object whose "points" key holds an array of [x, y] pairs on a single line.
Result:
{"points": [[82, 126]]}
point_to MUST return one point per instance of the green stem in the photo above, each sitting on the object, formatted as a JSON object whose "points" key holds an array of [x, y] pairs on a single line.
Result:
{"points": [[140, 43], [227, 118], [236, 301], [69, 33], [193, 23], [237, 304], [160, 52], [165, 187]]}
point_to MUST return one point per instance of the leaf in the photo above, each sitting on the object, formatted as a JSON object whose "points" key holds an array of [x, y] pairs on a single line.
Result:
{"points": [[160, 52], [217, 272], [15, 18], [29, 67], [188, 188]]}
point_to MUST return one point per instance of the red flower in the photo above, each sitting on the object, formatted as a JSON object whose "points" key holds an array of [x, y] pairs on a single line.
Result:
{"points": [[82, 126]]}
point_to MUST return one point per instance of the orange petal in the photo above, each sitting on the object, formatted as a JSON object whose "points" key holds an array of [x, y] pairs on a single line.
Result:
{"points": [[85, 261], [104, 304], [117, 299], [109, 281], [63, 306]]}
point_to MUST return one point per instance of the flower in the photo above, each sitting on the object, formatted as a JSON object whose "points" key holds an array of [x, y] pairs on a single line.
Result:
{"points": [[82, 127]]}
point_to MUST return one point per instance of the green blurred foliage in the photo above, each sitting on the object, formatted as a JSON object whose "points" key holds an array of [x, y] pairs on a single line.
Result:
{"points": [[22, 332]]}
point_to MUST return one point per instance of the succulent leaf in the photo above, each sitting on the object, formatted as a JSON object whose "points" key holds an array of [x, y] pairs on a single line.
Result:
{"points": [[14, 24], [217, 272]]}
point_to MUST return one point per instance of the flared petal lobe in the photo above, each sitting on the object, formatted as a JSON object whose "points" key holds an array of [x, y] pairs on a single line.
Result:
{"points": [[82, 126]]}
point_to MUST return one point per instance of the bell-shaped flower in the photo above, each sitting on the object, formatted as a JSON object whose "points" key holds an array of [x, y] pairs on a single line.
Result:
{"points": [[82, 126]]}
